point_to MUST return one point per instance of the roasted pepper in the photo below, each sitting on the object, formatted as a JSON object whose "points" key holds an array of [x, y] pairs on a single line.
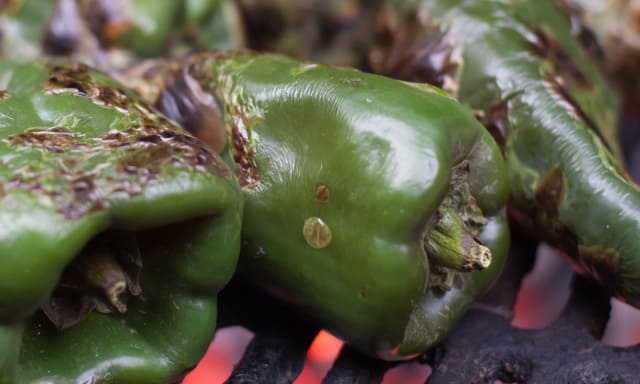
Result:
{"points": [[112, 34], [536, 89], [370, 204], [117, 230]]}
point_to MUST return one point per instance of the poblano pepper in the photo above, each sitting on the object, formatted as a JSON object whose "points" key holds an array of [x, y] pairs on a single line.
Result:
{"points": [[112, 34], [117, 230], [369, 203], [545, 101]]}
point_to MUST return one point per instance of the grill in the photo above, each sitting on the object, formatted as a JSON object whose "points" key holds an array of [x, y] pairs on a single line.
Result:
{"points": [[483, 348]]}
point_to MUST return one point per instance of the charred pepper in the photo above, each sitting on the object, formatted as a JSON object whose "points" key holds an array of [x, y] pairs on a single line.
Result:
{"points": [[111, 34], [375, 206], [537, 90], [117, 230]]}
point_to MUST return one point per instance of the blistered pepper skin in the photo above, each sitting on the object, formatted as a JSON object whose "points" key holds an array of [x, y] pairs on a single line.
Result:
{"points": [[84, 164], [549, 107], [344, 174]]}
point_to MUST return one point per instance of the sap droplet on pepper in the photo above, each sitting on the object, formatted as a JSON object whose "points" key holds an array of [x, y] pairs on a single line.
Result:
{"points": [[316, 232]]}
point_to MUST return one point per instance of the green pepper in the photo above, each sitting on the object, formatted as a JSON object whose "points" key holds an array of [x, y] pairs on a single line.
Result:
{"points": [[536, 89], [117, 230], [109, 35], [370, 204]]}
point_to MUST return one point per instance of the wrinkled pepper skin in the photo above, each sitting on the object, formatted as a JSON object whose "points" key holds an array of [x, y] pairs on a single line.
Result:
{"points": [[94, 183], [545, 101], [344, 177], [111, 34]]}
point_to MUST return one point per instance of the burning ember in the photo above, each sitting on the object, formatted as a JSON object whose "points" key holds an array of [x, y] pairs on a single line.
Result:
{"points": [[224, 352], [230, 343], [544, 294], [320, 357]]}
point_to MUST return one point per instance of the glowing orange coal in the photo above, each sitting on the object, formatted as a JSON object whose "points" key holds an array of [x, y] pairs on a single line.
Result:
{"points": [[230, 343], [224, 353], [320, 357], [542, 297]]}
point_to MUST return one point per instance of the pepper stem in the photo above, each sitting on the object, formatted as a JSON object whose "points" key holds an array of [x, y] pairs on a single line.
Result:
{"points": [[450, 244], [102, 271]]}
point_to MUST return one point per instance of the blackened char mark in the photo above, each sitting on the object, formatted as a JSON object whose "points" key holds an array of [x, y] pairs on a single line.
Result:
{"points": [[496, 121], [184, 101], [581, 31], [548, 47], [557, 85]]}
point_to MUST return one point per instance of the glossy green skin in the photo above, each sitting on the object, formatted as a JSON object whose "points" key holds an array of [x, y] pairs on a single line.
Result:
{"points": [[597, 205], [384, 150], [176, 27], [186, 218]]}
